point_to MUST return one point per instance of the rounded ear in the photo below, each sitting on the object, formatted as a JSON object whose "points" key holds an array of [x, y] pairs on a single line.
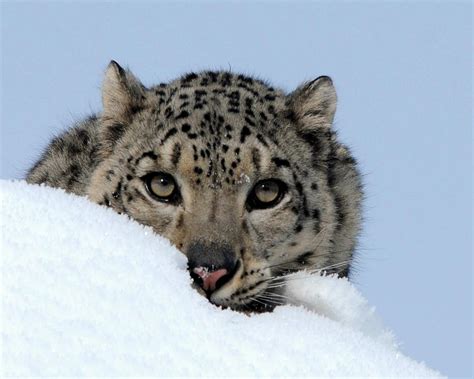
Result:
{"points": [[313, 104], [122, 93], [122, 96]]}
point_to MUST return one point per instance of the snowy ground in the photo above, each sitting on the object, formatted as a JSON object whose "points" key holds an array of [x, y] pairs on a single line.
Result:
{"points": [[88, 292]]}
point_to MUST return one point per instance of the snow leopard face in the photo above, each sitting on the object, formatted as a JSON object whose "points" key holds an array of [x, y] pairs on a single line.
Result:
{"points": [[248, 182]]}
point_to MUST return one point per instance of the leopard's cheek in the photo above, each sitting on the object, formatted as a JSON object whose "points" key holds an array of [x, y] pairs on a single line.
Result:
{"points": [[268, 229]]}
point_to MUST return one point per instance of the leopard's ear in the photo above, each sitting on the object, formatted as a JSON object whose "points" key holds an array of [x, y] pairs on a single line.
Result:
{"points": [[313, 104], [122, 96], [122, 93]]}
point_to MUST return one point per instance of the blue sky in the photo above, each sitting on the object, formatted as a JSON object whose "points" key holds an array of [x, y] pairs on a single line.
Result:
{"points": [[403, 72]]}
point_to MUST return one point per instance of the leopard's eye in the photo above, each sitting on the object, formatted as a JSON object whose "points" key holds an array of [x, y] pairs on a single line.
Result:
{"points": [[161, 186], [266, 193]]}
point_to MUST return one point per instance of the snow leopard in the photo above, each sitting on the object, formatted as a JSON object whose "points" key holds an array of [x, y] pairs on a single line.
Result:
{"points": [[248, 181]]}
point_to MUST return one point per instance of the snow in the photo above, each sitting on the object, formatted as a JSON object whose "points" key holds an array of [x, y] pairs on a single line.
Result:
{"points": [[86, 291]]}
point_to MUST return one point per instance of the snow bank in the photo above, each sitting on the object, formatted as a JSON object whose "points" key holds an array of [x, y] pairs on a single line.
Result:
{"points": [[88, 292]]}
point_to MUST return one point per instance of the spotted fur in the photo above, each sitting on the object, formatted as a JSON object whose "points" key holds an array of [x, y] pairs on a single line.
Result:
{"points": [[218, 133]]}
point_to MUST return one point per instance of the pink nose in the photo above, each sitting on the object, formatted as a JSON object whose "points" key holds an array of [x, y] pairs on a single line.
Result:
{"points": [[209, 278]]}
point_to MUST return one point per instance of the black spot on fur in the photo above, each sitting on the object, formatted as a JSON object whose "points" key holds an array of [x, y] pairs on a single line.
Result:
{"points": [[244, 133], [281, 162], [198, 170], [185, 128], [183, 114]]}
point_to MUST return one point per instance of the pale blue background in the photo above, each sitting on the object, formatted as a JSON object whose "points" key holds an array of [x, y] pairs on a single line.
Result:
{"points": [[403, 74]]}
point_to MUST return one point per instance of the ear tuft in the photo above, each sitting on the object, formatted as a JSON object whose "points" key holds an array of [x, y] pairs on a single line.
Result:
{"points": [[121, 93], [313, 104]]}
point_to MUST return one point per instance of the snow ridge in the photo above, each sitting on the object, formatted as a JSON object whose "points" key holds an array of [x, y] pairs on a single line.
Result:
{"points": [[88, 292]]}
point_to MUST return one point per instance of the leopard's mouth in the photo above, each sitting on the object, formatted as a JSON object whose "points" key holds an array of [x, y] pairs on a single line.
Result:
{"points": [[248, 293]]}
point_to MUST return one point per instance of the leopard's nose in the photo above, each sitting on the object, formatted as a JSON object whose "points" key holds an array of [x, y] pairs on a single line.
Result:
{"points": [[211, 265], [209, 279]]}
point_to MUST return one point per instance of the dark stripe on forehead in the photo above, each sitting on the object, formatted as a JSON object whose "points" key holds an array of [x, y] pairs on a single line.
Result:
{"points": [[169, 134], [176, 155], [256, 159]]}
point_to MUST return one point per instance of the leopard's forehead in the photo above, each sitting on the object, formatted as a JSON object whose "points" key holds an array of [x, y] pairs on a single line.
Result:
{"points": [[252, 99], [223, 126]]}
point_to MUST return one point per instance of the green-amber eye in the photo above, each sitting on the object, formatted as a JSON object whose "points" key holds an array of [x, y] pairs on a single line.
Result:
{"points": [[161, 186], [266, 193]]}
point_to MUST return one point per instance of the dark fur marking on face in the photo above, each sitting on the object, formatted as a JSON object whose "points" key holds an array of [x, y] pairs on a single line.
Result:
{"points": [[148, 154], [118, 191], [189, 77], [256, 159], [339, 212], [183, 114], [168, 112], [185, 128], [314, 141], [303, 258], [106, 201], [299, 187], [176, 154], [198, 170], [115, 131], [281, 162], [169, 134], [180, 221], [244, 133], [250, 121], [262, 140], [223, 164]]}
